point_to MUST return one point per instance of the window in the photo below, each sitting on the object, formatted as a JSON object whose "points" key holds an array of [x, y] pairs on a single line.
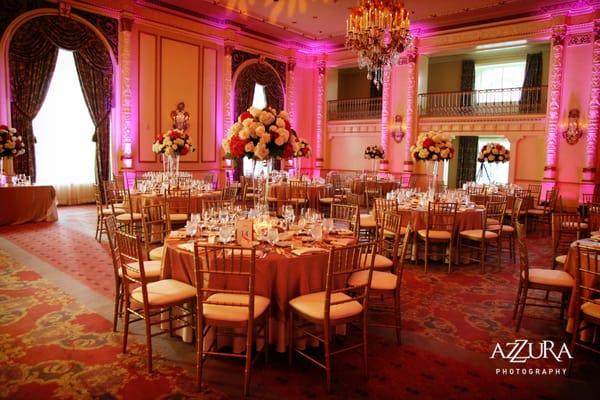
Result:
{"points": [[259, 100], [499, 76], [65, 153]]}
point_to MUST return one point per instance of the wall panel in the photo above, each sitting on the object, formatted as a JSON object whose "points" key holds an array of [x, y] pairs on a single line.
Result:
{"points": [[147, 96], [209, 106]]}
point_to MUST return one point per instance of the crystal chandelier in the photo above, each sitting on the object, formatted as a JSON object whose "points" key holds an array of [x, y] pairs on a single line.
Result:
{"points": [[378, 30]]}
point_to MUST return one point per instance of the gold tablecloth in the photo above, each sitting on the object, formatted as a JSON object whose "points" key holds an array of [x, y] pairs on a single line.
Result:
{"points": [[22, 204]]}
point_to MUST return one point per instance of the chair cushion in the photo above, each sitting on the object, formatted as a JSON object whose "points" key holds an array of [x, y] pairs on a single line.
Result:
{"points": [[127, 217], [108, 211], [591, 308], [313, 305], [551, 277], [156, 253], [505, 228], [298, 199], [379, 281], [178, 217], [233, 313], [535, 211], [152, 269], [561, 259], [327, 200], [594, 233], [436, 235], [492, 221], [166, 291], [381, 262], [476, 234], [367, 221]]}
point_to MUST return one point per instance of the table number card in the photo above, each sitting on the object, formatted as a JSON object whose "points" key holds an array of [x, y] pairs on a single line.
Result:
{"points": [[243, 232]]}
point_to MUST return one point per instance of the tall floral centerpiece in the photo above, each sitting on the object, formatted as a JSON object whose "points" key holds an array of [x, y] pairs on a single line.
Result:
{"points": [[432, 147], [304, 151], [171, 145], [493, 154], [374, 153], [261, 135], [11, 145]]}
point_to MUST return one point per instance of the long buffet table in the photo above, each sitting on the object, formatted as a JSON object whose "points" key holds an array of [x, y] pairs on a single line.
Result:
{"points": [[22, 204]]}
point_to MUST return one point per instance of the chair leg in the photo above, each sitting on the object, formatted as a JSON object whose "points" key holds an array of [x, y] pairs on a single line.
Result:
{"points": [[126, 325], [364, 347], [521, 308], [397, 316], [449, 255], [326, 344], [426, 253], [118, 300], [199, 355], [517, 300], [148, 340], [482, 255], [248, 366], [291, 340]]}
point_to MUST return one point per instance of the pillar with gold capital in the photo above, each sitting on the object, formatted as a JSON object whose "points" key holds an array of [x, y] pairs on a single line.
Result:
{"points": [[411, 105], [320, 116]]}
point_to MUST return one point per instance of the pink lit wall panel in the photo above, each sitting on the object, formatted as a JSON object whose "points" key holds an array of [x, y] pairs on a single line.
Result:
{"points": [[209, 106], [147, 97], [179, 81]]}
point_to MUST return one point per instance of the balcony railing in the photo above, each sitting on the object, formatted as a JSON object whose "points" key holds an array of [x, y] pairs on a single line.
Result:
{"points": [[369, 108], [530, 100]]}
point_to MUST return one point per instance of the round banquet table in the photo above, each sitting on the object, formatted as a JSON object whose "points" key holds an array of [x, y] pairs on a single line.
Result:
{"points": [[358, 186], [22, 204], [571, 268], [137, 199], [280, 277], [466, 218], [314, 191]]}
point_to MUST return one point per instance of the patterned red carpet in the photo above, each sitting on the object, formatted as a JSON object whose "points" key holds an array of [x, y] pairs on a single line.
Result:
{"points": [[53, 346]]}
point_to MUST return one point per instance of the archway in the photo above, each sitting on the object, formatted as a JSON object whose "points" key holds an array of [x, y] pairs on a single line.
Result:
{"points": [[32, 56], [249, 74]]}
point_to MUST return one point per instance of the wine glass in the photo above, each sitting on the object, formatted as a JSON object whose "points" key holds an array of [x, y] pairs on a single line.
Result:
{"points": [[327, 225], [317, 232], [225, 233], [272, 236]]}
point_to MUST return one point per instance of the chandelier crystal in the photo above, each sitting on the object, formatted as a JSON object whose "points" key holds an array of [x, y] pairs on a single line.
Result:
{"points": [[378, 30]]}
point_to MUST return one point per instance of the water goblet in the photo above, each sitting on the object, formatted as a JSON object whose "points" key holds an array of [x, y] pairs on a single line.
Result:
{"points": [[317, 232]]}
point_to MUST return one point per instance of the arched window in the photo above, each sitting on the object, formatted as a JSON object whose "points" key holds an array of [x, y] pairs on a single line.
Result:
{"points": [[259, 100]]}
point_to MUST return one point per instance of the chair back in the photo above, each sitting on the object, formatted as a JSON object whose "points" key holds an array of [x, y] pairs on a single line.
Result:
{"points": [[219, 268], [589, 198], [131, 262], [229, 193], [298, 190], [354, 199], [565, 228], [98, 200], [475, 190], [389, 235], [494, 211], [536, 191], [593, 212], [110, 222], [156, 224], [179, 200], [479, 199], [550, 202], [345, 214], [343, 262], [382, 205], [587, 276], [523, 253], [516, 210], [441, 217], [216, 204]]}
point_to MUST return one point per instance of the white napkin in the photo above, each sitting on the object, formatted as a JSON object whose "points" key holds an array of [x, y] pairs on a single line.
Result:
{"points": [[186, 246], [308, 250]]}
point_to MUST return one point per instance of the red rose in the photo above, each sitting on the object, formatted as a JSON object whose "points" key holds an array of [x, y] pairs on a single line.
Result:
{"points": [[184, 151], [288, 151], [304, 151], [245, 115], [498, 147], [288, 126], [3, 128], [174, 135], [237, 146], [428, 142]]}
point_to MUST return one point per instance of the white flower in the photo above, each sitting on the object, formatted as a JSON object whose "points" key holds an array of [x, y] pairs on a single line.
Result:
{"points": [[494, 151], [244, 134], [296, 146], [174, 147], [284, 115], [284, 133], [260, 151], [254, 111], [445, 153], [280, 141], [280, 122], [260, 130], [434, 157], [226, 145], [12, 130], [266, 118], [264, 139], [491, 158], [423, 153]]}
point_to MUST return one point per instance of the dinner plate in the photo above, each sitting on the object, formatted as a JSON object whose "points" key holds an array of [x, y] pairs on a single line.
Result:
{"points": [[595, 238], [284, 243]]}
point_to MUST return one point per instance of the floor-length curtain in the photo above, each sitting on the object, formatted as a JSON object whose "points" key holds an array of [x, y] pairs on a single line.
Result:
{"points": [[467, 159], [467, 84], [31, 64], [42, 36], [530, 95]]}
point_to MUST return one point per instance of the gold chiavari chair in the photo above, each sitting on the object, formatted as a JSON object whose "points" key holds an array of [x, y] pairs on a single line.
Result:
{"points": [[440, 225], [102, 210], [566, 228], [217, 204], [547, 280], [478, 241], [145, 300], [217, 307], [229, 193], [373, 190], [535, 190], [475, 190], [587, 295], [593, 212], [507, 231], [338, 304], [495, 212], [525, 196], [345, 214], [479, 199], [156, 226], [327, 197], [298, 193], [542, 214], [212, 179], [366, 222], [178, 201], [382, 205], [384, 283], [121, 197], [589, 198]]}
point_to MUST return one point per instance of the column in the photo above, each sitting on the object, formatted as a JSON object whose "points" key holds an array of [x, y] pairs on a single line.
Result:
{"points": [[290, 92], [227, 165], [553, 109], [320, 116], [411, 105], [126, 95], [385, 117], [589, 170]]}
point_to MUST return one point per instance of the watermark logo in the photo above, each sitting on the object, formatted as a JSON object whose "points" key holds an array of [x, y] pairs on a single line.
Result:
{"points": [[521, 351]]}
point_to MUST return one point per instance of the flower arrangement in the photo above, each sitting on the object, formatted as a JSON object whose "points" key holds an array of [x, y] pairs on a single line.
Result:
{"points": [[493, 153], [261, 135], [11, 144], [173, 142], [432, 146], [374, 153], [304, 149]]}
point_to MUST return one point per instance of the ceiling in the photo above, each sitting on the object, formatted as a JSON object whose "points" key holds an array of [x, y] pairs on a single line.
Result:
{"points": [[322, 23]]}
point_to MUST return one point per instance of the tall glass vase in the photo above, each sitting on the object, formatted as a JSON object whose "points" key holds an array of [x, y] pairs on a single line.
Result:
{"points": [[171, 167], [298, 167], [2, 179], [432, 176]]}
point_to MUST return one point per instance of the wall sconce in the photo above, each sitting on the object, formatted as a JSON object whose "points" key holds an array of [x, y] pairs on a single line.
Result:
{"points": [[397, 130], [573, 132]]}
